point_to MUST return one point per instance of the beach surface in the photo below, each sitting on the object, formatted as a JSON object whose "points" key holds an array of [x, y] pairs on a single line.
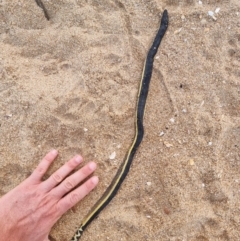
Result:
{"points": [[71, 83]]}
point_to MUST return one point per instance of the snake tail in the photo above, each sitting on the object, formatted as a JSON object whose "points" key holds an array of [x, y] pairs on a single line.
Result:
{"points": [[139, 132]]}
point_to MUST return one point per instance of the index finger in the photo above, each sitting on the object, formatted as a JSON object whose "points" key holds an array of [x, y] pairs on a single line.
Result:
{"points": [[43, 166]]}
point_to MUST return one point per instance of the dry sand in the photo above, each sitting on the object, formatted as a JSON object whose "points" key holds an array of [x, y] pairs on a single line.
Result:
{"points": [[71, 83]]}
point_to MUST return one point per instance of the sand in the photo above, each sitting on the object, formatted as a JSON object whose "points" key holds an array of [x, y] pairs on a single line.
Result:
{"points": [[71, 83]]}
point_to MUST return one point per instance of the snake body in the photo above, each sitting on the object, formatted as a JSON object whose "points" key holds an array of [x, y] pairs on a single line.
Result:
{"points": [[139, 131]]}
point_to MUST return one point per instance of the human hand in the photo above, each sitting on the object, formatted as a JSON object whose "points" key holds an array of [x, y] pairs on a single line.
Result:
{"points": [[28, 212]]}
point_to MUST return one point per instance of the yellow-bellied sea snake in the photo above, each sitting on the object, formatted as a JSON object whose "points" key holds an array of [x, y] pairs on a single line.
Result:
{"points": [[141, 101]]}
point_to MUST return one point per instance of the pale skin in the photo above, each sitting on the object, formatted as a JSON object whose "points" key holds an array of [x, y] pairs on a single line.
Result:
{"points": [[29, 211]]}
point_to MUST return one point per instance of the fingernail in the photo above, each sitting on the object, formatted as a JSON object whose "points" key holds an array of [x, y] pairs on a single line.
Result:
{"points": [[92, 165], [54, 152], [95, 180], [78, 159]]}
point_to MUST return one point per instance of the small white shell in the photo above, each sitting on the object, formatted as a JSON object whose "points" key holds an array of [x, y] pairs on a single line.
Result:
{"points": [[112, 156], [217, 10], [149, 183], [161, 133], [210, 13]]}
